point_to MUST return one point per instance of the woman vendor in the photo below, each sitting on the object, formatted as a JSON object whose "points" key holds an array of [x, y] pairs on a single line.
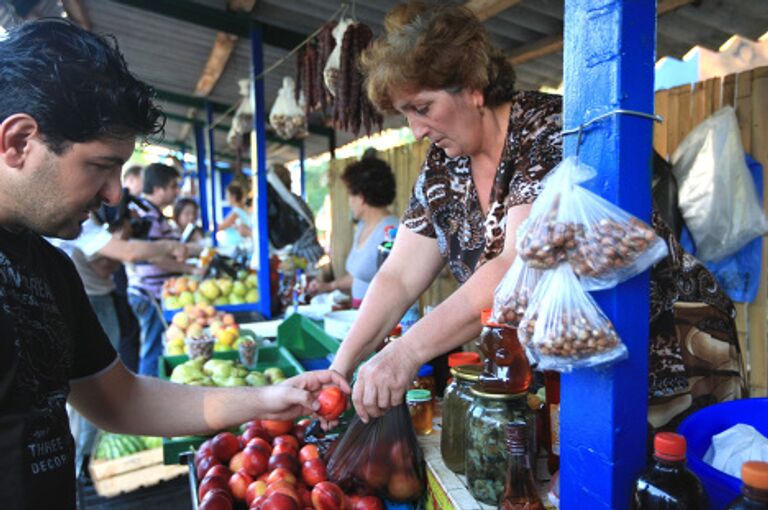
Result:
{"points": [[491, 146]]}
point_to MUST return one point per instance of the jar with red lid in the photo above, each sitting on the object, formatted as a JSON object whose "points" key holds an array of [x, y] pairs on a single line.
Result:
{"points": [[505, 365]]}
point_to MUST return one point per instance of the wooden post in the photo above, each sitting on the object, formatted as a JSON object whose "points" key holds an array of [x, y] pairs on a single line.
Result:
{"points": [[259, 167], [609, 64]]}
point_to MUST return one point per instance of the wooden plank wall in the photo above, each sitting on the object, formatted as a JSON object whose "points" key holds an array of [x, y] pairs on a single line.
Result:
{"points": [[406, 162], [685, 107]]}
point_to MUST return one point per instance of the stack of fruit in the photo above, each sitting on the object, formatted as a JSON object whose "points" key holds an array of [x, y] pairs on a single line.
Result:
{"points": [[269, 467], [191, 323], [223, 372], [113, 446], [187, 290]]}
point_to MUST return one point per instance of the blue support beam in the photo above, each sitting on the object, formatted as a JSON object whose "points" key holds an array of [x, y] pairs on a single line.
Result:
{"points": [[259, 168], [609, 64], [212, 165], [202, 174], [302, 155]]}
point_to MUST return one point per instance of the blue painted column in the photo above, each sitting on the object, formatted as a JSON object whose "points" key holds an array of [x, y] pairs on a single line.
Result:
{"points": [[202, 174], [259, 168], [302, 155], [609, 64], [212, 166]]}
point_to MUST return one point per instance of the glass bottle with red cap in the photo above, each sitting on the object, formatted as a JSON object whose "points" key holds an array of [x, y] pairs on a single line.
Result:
{"points": [[754, 492], [505, 365], [668, 484]]}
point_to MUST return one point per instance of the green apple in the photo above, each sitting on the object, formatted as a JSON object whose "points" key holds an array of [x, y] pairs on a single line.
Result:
{"points": [[234, 381], [273, 373], [186, 298], [252, 296], [256, 379], [209, 289], [221, 300], [201, 300], [251, 281], [225, 285], [235, 299], [239, 289], [172, 303]]}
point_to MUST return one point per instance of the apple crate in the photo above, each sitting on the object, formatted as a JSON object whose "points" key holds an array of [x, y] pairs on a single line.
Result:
{"points": [[126, 474], [269, 356], [233, 309]]}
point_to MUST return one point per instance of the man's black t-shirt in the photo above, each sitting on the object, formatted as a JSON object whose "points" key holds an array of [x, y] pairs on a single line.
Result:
{"points": [[49, 335]]}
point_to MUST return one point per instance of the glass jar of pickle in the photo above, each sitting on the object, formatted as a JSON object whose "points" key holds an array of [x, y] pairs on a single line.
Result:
{"points": [[456, 404], [420, 407], [486, 456], [505, 364]]}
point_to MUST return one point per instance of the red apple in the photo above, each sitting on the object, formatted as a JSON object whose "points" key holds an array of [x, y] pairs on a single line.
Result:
{"points": [[255, 461], [283, 487], [212, 482], [236, 462], [313, 471], [285, 448], [328, 496], [284, 460], [225, 445], [368, 503], [280, 473], [216, 499], [304, 495], [308, 451], [258, 503], [277, 427], [404, 486], [286, 439], [238, 484], [251, 432], [203, 450], [280, 501], [262, 444], [219, 470], [375, 474], [254, 490], [401, 456], [332, 401], [205, 464]]}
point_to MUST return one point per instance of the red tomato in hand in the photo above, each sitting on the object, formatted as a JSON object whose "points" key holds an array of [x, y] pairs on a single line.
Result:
{"points": [[332, 401]]}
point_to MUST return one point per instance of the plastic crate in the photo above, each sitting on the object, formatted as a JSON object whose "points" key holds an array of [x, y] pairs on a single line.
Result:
{"points": [[269, 356], [309, 343], [234, 309]]}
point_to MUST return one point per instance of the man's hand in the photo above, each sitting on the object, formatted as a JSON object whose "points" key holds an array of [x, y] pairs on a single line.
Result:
{"points": [[384, 379], [297, 396]]}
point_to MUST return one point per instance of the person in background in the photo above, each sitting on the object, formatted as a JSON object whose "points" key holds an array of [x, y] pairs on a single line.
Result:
{"points": [[235, 229], [186, 212], [146, 277], [371, 187], [63, 141], [132, 180]]}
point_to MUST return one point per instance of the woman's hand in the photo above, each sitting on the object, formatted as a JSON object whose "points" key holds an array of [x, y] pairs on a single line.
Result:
{"points": [[317, 287], [297, 396], [384, 379]]}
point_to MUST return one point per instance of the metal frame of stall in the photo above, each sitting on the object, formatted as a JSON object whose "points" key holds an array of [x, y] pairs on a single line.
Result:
{"points": [[608, 65]]}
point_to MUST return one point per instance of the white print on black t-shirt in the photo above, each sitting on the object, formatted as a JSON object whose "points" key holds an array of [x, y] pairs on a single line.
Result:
{"points": [[48, 455]]}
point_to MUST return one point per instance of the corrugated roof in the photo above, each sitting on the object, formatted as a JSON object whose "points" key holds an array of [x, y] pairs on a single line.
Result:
{"points": [[170, 54]]}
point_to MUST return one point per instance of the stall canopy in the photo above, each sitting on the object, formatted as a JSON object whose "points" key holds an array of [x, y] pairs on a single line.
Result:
{"points": [[190, 50]]}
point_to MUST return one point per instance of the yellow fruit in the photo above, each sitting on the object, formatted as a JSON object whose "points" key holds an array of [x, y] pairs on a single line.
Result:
{"points": [[227, 337]]}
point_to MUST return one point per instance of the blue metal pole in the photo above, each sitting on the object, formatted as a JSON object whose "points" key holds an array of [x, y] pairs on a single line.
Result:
{"points": [[202, 174], [608, 64], [212, 166], [259, 168], [302, 155]]}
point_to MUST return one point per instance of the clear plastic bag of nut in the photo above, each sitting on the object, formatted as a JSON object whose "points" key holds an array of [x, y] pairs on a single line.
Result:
{"points": [[563, 328], [514, 292], [604, 244], [287, 115]]}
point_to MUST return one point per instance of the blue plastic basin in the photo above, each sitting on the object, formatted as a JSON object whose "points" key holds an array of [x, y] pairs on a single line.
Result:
{"points": [[698, 430]]}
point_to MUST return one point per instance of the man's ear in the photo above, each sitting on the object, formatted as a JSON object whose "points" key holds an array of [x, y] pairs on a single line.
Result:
{"points": [[16, 133]]}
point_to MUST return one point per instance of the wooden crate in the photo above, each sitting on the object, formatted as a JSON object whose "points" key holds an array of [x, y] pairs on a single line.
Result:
{"points": [[126, 474]]}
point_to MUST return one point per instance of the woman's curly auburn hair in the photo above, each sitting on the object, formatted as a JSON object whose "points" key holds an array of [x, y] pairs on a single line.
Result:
{"points": [[435, 47]]}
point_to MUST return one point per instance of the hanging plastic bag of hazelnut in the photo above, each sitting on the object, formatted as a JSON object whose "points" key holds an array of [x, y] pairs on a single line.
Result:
{"points": [[287, 116], [604, 244], [514, 292], [563, 328]]}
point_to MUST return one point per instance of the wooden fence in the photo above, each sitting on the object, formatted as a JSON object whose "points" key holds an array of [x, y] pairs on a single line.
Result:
{"points": [[685, 107]]}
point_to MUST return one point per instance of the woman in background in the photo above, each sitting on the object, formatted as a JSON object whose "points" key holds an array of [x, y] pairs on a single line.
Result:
{"points": [[371, 187], [186, 212]]}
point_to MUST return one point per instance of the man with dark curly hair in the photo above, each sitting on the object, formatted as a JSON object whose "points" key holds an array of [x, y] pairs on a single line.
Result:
{"points": [[69, 115], [371, 186]]}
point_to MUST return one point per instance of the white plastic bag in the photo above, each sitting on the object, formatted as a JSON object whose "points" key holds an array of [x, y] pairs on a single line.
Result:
{"points": [[514, 292], [287, 116], [563, 328], [604, 244], [717, 195], [332, 71]]}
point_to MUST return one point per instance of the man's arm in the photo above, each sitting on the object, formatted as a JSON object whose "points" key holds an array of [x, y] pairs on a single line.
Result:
{"points": [[121, 401], [132, 250]]}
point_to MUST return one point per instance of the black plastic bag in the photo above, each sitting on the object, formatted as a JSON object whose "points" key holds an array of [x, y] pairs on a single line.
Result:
{"points": [[381, 457]]}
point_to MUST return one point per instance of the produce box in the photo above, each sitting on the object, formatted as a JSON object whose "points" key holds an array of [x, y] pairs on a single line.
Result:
{"points": [[269, 356], [236, 309], [126, 474], [307, 341]]}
